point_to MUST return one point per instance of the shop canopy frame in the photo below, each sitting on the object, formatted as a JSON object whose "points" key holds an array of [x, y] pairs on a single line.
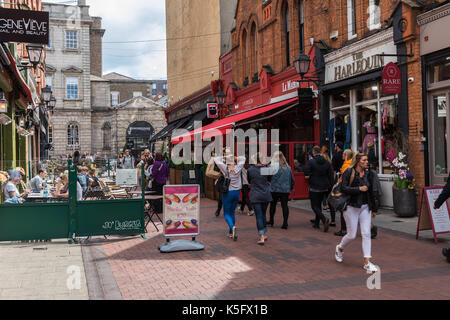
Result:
{"points": [[222, 127]]}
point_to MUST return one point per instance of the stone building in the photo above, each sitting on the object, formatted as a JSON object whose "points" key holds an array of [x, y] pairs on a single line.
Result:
{"points": [[94, 113]]}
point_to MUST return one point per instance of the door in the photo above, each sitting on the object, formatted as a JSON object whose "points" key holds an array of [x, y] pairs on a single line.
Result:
{"points": [[438, 137], [299, 156]]}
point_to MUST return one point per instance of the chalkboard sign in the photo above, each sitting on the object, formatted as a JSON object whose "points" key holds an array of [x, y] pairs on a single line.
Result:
{"points": [[126, 177], [437, 220]]}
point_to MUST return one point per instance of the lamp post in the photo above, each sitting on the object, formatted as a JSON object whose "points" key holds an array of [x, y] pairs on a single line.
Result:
{"points": [[46, 94], [52, 104], [302, 63], [220, 99], [35, 55]]}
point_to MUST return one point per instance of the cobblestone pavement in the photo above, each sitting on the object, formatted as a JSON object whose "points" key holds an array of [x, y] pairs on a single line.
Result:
{"points": [[40, 271], [297, 263]]}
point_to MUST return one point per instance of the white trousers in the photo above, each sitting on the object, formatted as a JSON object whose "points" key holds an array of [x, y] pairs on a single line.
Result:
{"points": [[364, 217]]}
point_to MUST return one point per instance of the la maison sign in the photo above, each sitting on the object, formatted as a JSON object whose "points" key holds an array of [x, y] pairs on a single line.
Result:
{"points": [[24, 26], [358, 63]]}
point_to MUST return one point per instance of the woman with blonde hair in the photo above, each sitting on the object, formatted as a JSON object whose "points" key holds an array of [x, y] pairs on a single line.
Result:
{"points": [[281, 186], [348, 160], [362, 207]]}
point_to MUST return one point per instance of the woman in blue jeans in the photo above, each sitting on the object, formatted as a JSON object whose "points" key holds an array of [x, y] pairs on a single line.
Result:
{"points": [[231, 168], [258, 178]]}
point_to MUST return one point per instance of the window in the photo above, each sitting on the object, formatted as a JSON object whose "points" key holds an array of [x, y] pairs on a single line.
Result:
{"points": [[106, 136], [286, 32], [351, 19], [374, 13], [50, 134], [115, 98], [301, 26], [165, 86], [49, 81], [72, 135], [254, 49], [137, 94], [72, 88], [440, 70], [154, 86], [71, 40]]}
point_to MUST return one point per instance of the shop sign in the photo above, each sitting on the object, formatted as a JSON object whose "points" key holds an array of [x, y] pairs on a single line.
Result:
{"points": [[392, 80], [213, 110], [290, 85], [24, 26], [357, 63], [181, 210]]}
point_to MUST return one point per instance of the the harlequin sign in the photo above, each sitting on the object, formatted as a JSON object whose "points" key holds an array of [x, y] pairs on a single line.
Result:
{"points": [[24, 26], [392, 80]]}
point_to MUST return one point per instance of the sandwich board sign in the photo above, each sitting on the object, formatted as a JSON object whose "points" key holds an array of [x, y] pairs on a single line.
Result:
{"points": [[437, 220]]}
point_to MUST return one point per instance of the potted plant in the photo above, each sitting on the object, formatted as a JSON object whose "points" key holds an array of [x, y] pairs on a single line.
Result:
{"points": [[404, 192]]}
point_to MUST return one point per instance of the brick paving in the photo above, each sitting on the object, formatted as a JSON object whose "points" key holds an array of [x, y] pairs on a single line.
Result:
{"points": [[297, 263]]}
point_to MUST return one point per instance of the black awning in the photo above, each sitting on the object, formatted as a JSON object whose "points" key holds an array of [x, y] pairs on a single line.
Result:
{"points": [[200, 116], [179, 124], [163, 131]]}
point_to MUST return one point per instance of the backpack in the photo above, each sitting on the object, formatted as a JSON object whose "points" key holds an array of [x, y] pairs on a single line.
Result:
{"points": [[337, 199]]}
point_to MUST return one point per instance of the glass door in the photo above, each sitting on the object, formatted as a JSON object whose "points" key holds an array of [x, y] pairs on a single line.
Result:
{"points": [[439, 143]]}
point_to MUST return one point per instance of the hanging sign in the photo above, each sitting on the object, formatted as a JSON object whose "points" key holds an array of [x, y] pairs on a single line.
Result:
{"points": [[181, 210], [437, 220], [24, 26], [392, 79], [213, 110]]}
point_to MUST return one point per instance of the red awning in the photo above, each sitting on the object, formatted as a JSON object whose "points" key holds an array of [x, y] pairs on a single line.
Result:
{"points": [[20, 79], [220, 127]]}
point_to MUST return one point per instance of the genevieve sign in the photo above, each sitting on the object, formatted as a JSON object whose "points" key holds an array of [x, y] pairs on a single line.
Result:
{"points": [[392, 80], [24, 26]]}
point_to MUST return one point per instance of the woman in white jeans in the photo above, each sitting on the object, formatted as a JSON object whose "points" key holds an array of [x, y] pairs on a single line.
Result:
{"points": [[362, 206]]}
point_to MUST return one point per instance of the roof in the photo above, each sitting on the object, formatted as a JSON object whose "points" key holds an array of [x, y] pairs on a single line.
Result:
{"points": [[136, 102], [116, 76], [95, 78]]}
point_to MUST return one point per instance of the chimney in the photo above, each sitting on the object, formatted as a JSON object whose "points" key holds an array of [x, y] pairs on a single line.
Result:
{"points": [[81, 2], [96, 38]]}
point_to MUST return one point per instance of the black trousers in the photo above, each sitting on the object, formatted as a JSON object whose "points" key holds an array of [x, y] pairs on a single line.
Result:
{"points": [[245, 198], [219, 203], [333, 218], [316, 204], [159, 191], [283, 198]]}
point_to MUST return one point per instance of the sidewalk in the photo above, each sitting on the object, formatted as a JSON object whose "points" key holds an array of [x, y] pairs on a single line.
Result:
{"points": [[386, 219], [41, 271]]}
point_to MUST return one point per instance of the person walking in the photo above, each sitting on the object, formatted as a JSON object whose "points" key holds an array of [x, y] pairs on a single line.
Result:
{"points": [[120, 161], [347, 160], [260, 196], [362, 207], [443, 197], [281, 186], [160, 172], [320, 175], [128, 160], [245, 192], [232, 171], [213, 172], [338, 157]]}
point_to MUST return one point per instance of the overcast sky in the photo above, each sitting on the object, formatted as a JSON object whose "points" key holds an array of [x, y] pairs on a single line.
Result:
{"points": [[132, 20]]}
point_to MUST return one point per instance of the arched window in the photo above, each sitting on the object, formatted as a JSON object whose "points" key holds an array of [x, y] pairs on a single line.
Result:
{"points": [[286, 33], [72, 135], [254, 49], [106, 136], [244, 55]]}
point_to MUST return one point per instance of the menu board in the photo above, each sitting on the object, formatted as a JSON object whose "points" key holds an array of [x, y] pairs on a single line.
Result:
{"points": [[181, 210], [437, 220], [126, 177]]}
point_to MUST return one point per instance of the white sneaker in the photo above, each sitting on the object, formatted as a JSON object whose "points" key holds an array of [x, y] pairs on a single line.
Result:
{"points": [[339, 256], [371, 268], [251, 213], [234, 233]]}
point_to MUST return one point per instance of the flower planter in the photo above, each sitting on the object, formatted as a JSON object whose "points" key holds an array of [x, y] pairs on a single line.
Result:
{"points": [[404, 202]]}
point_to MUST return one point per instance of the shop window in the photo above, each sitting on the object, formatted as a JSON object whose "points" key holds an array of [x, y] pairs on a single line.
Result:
{"points": [[340, 99], [440, 71], [367, 92], [302, 154], [440, 134]]}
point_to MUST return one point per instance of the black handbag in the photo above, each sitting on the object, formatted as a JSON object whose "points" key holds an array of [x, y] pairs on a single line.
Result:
{"points": [[338, 200], [223, 184]]}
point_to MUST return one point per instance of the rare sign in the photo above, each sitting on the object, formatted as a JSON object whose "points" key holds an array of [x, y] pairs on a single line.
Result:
{"points": [[126, 177], [181, 210], [392, 80], [437, 220], [24, 26]]}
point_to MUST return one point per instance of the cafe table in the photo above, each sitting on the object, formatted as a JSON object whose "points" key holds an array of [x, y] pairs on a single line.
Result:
{"points": [[38, 198]]}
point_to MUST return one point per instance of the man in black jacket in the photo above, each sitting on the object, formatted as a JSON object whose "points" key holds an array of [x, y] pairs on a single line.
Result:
{"points": [[318, 171], [338, 159], [445, 194]]}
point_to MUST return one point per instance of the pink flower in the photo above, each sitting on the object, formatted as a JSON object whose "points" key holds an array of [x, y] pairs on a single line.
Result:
{"points": [[402, 174]]}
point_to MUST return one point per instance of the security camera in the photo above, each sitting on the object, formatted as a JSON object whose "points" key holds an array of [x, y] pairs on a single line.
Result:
{"points": [[411, 80], [212, 73]]}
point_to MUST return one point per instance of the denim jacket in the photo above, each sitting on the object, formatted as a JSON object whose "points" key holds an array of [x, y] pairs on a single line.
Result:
{"points": [[283, 181]]}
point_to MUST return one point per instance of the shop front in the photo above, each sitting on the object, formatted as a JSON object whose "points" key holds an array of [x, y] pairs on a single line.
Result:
{"points": [[362, 117], [271, 103], [435, 52]]}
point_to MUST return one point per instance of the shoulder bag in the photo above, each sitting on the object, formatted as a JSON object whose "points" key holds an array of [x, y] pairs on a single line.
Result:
{"points": [[337, 199]]}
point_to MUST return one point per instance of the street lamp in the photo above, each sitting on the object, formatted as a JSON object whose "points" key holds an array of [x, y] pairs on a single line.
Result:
{"points": [[220, 97], [302, 63], [35, 55], [52, 103], [46, 94]]}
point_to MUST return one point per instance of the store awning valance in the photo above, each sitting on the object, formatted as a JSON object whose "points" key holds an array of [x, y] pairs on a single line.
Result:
{"points": [[20, 80], [221, 126], [161, 135]]}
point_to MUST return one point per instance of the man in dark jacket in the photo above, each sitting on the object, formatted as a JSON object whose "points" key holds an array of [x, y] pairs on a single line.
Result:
{"points": [[318, 171], [445, 194], [338, 159]]}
